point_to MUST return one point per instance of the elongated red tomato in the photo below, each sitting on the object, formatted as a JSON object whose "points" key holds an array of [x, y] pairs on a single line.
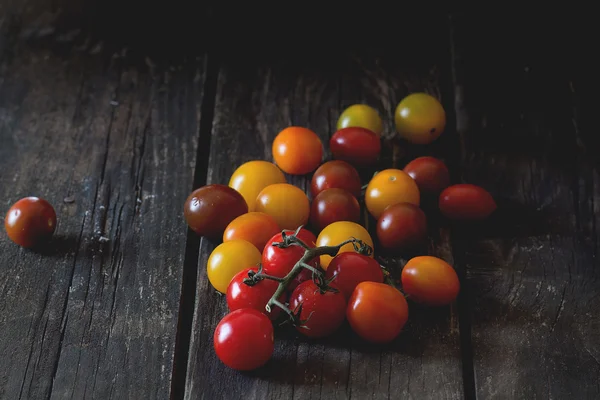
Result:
{"points": [[350, 269], [355, 145], [430, 280], [466, 202]]}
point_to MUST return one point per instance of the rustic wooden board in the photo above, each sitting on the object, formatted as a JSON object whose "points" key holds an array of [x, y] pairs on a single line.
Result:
{"points": [[113, 147], [532, 271], [253, 103]]}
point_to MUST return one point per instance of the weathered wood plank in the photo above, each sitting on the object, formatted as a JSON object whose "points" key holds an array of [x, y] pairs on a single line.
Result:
{"points": [[94, 314], [253, 103], [532, 270]]}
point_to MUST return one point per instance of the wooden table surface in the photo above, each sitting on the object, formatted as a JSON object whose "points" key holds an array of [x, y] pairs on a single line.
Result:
{"points": [[119, 306]]}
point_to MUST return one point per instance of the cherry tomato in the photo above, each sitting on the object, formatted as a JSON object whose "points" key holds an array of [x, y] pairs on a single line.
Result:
{"points": [[377, 312], [338, 232], [30, 221], [286, 203], [420, 118], [252, 177], [229, 258], [350, 269], [466, 202], [336, 174], [430, 280], [362, 116], [244, 339], [401, 226], [297, 150], [242, 295], [332, 205], [254, 227], [324, 312], [279, 262], [431, 174], [209, 209], [357, 146], [389, 187]]}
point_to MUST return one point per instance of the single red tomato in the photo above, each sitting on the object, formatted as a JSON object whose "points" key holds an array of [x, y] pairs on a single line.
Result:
{"points": [[350, 269], [278, 261], [332, 205], [324, 312], [256, 296], [244, 339], [401, 226], [358, 146], [336, 174], [431, 174], [30, 221], [377, 312], [430, 280], [466, 202]]}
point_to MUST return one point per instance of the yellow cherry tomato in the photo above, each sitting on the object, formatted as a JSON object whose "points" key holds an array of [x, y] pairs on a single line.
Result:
{"points": [[252, 177], [286, 203], [229, 258], [390, 186], [420, 118], [337, 232], [363, 116]]}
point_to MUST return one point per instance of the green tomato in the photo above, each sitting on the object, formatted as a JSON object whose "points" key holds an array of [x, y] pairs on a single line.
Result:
{"points": [[420, 118], [363, 116]]}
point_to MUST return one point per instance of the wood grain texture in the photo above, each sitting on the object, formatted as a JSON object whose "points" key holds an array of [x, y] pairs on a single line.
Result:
{"points": [[113, 147], [253, 103], [532, 270]]}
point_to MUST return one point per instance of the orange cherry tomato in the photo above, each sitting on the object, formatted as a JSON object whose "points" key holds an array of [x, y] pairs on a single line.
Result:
{"points": [[339, 231], [252, 177], [377, 312], [388, 187], [286, 203], [254, 227], [297, 150], [430, 280]]}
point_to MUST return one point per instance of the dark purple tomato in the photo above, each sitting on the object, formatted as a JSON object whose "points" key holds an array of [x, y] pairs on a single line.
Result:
{"points": [[333, 205], [30, 221], [431, 174], [358, 146], [336, 174], [401, 226]]}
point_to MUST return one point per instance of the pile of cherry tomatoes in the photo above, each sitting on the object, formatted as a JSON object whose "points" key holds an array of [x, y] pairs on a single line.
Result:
{"points": [[257, 213]]}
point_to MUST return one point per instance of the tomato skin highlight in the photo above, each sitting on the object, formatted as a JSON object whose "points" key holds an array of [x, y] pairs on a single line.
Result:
{"points": [[280, 261], [430, 280], [287, 203], [430, 174], [466, 202], [377, 312], [336, 174], [241, 295], [254, 227], [327, 311], [357, 146], [402, 226], [350, 269], [297, 150], [30, 221], [252, 177], [244, 339], [333, 205]]}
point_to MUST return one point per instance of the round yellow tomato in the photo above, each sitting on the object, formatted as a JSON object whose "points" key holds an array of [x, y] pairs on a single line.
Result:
{"points": [[337, 232], [388, 187], [420, 118], [254, 227], [252, 177], [286, 203], [363, 116], [229, 258]]}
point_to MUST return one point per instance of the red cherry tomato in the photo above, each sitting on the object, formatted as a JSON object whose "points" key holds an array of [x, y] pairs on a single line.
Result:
{"points": [[401, 226], [358, 146], [323, 312], [350, 269], [430, 280], [30, 221], [332, 205], [466, 202], [244, 339], [377, 312], [431, 174], [279, 262], [336, 174], [242, 295]]}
